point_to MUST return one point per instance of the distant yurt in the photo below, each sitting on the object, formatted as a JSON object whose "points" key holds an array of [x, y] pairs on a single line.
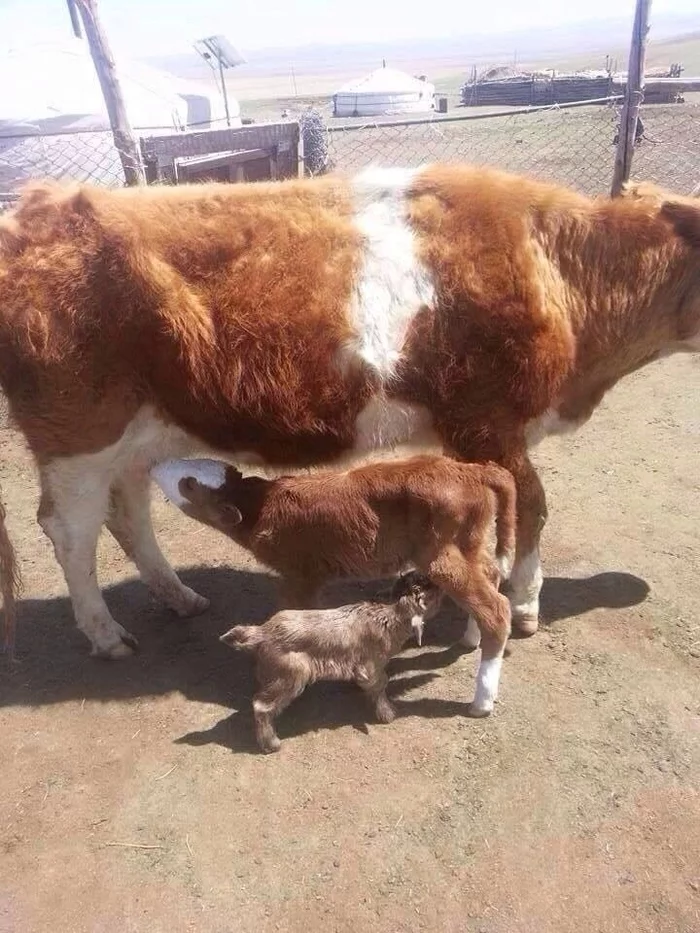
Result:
{"points": [[384, 91]]}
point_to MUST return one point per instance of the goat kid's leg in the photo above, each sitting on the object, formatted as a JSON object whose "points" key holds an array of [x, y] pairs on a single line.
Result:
{"points": [[129, 521], [374, 684], [467, 579], [269, 702], [72, 510], [525, 581]]}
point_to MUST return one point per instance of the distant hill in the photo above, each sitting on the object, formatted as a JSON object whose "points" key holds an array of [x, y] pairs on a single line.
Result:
{"points": [[673, 38]]}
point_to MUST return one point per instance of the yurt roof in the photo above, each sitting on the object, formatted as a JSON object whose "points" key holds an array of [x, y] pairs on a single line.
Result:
{"points": [[383, 80], [55, 80]]}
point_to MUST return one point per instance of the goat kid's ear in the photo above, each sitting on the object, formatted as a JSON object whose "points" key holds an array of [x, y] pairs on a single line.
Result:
{"points": [[417, 626]]}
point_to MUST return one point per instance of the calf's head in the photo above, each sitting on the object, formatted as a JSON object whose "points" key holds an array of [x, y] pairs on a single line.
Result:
{"points": [[202, 489], [417, 599]]}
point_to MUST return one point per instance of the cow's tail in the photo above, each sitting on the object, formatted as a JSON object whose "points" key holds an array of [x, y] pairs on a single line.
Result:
{"points": [[242, 637], [10, 584], [502, 484]]}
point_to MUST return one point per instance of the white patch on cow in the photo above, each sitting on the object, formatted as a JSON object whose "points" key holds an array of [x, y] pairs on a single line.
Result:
{"points": [[550, 423], [393, 285], [386, 423], [487, 681], [472, 634], [525, 585], [168, 473]]}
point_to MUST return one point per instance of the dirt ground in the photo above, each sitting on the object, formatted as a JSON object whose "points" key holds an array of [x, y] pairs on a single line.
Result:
{"points": [[133, 797]]}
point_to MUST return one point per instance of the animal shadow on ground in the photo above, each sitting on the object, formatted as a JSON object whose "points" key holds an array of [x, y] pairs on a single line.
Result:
{"points": [[53, 665]]}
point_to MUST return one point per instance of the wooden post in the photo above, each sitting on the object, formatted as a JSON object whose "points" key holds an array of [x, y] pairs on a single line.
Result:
{"points": [[634, 94], [74, 19], [101, 53]]}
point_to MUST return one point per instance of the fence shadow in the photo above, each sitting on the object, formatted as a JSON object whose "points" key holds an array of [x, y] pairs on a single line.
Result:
{"points": [[186, 656]]}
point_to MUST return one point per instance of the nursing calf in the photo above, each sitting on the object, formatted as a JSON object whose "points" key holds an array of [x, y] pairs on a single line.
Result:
{"points": [[298, 647], [428, 512]]}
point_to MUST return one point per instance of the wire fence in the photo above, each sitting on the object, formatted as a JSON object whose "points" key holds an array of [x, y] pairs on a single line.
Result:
{"points": [[571, 144]]}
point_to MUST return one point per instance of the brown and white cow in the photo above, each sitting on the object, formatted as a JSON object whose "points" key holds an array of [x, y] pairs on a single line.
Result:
{"points": [[302, 322]]}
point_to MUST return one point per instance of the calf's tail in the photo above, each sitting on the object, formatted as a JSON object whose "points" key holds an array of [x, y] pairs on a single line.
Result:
{"points": [[10, 584], [502, 484], [242, 637]]}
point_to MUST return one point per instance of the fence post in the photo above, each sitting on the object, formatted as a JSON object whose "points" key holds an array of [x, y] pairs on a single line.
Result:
{"points": [[634, 94], [101, 53]]}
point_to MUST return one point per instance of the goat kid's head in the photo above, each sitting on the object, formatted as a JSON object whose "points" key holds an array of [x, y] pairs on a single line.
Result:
{"points": [[418, 599], [202, 489]]}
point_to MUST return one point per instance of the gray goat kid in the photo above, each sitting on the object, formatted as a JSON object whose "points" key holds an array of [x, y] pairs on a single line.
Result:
{"points": [[354, 643]]}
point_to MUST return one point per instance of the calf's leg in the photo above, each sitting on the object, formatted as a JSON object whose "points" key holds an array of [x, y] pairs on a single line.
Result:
{"points": [[525, 580], [129, 521], [72, 510], [467, 579]]}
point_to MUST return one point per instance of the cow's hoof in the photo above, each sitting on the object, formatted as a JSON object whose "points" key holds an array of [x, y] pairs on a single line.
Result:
{"points": [[191, 604], [124, 648], [479, 712], [526, 625]]}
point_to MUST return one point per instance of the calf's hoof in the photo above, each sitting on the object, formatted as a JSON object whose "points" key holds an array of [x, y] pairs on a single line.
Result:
{"points": [[269, 746], [479, 712], [526, 625]]}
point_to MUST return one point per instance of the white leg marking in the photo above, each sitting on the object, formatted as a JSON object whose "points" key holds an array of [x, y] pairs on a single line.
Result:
{"points": [[393, 285], [130, 523], [487, 680], [526, 583], [504, 565], [168, 473], [472, 634], [74, 507]]}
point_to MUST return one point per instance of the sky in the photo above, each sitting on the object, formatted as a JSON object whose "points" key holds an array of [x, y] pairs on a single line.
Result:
{"points": [[158, 27]]}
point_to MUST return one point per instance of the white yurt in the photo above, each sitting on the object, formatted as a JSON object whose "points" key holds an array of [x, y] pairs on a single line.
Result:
{"points": [[384, 91], [53, 80]]}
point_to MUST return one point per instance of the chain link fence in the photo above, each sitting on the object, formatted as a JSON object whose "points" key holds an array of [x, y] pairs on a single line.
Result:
{"points": [[574, 146], [79, 156], [570, 144], [668, 152]]}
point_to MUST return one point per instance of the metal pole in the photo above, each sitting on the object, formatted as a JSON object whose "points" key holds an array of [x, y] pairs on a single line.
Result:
{"points": [[634, 94], [223, 90]]}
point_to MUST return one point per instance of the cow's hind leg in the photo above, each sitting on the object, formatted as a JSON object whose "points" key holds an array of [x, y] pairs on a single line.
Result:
{"points": [[72, 510], [129, 521]]}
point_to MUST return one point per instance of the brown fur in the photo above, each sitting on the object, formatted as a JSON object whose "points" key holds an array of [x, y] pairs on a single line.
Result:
{"points": [[296, 648], [224, 307]]}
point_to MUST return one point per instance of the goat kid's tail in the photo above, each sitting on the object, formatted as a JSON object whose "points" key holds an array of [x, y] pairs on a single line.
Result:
{"points": [[10, 584], [502, 484], [242, 637]]}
